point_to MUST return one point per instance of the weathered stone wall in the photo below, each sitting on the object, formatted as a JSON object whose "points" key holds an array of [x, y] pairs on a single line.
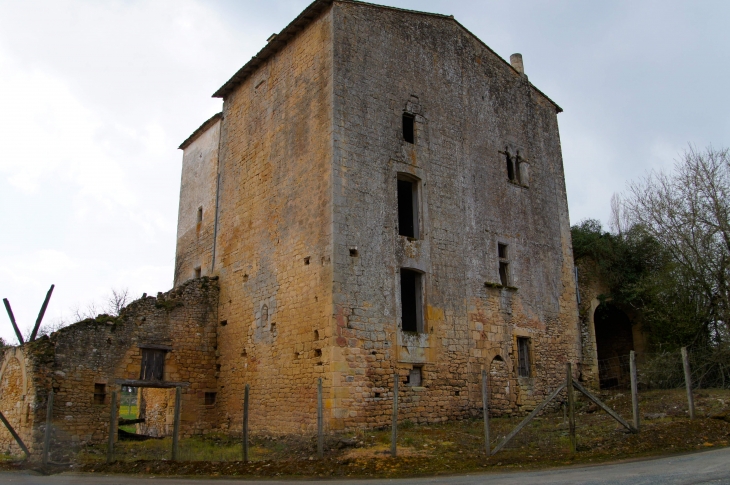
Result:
{"points": [[17, 399], [107, 349], [593, 291], [196, 214], [469, 106], [273, 251]]}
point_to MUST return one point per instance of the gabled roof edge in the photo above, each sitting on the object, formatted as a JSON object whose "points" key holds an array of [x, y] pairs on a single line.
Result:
{"points": [[274, 46], [201, 129], [558, 109]]}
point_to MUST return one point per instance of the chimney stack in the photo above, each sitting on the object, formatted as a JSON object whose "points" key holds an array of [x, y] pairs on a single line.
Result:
{"points": [[516, 61]]}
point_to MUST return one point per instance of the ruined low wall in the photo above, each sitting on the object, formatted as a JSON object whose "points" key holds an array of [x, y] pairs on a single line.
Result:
{"points": [[84, 362]]}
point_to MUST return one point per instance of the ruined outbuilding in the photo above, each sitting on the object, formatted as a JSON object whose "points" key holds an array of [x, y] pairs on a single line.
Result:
{"points": [[381, 195]]}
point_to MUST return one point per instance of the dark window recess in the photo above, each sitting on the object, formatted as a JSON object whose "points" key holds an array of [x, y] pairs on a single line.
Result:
{"points": [[153, 365], [410, 296], [409, 133], [523, 354], [209, 398], [503, 264], [510, 168], [406, 209], [504, 273], [99, 393], [197, 272], [502, 251], [200, 215]]}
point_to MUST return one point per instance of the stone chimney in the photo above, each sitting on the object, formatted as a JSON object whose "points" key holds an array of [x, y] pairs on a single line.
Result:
{"points": [[516, 61]]}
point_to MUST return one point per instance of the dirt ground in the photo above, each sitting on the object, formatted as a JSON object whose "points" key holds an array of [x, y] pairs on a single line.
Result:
{"points": [[445, 448]]}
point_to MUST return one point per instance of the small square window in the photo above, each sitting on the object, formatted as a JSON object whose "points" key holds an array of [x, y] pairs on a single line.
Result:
{"points": [[210, 398], [415, 377], [153, 365], [99, 393]]}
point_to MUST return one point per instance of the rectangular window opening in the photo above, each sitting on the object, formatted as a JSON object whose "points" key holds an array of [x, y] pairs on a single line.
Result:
{"points": [[409, 134], [197, 272], [99, 393], [408, 208], [502, 251], [200, 214], [504, 273], [510, 168], [153, 365], [210, 398], [415, 377], [523, 354], [411, 301]]}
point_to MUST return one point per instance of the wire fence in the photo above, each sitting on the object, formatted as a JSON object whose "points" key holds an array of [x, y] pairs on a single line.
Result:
{"points": [[665, 370]]}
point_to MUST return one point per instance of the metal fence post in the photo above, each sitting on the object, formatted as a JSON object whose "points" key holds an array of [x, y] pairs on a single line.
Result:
{"points": [[485, 408], [320, 418], [112, 428], [47, 436], [176, 425], [571, 405], [394, 431], [688, 383], [245, 423], [634, 389]]}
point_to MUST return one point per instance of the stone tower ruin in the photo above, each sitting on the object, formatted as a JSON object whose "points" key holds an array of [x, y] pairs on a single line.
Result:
{"points": [[382, 194]]}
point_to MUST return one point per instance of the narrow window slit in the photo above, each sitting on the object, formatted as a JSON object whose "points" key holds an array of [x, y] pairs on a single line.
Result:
{"points": [[409, 128], [411, 301]]}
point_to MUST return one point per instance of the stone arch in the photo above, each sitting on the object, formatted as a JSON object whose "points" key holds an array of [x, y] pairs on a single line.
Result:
{"points": [[614, 341], [18, 354], [500, 386], [13, 398]]}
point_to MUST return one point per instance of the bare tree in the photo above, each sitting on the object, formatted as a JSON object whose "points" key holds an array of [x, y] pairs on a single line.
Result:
{"points": [[688, 211], [619, 222], [117, 300]]}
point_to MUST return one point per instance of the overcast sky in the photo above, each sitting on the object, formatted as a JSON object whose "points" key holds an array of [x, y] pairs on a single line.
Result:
{"points": [[96, 96]]}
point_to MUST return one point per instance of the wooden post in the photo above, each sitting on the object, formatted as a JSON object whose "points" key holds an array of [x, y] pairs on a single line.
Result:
{"points": [[41, 313], [634, 389], [485, 410], [15, 436], [320, 419], [245, 423], [12, 320], [47, 436], [394, 431], [176, 425], [571, 405], [112, 428], [688, 383]]}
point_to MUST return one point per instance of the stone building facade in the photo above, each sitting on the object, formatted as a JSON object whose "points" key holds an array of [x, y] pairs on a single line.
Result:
{"points": [[381, 197], [351, 118]]}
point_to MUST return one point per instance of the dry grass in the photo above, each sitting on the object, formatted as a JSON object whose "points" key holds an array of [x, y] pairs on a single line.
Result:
{"points": [[453, 447]]}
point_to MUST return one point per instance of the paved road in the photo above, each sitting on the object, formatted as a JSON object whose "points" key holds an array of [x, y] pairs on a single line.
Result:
{"points": [[709, 467]]}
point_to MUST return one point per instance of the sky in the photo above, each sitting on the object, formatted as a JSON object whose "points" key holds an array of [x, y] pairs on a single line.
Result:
{"points": [[96, 96]]}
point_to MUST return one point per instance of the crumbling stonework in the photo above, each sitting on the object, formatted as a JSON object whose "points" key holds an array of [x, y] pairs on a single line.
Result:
{"points": [[85, 362], [594, 293]]}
